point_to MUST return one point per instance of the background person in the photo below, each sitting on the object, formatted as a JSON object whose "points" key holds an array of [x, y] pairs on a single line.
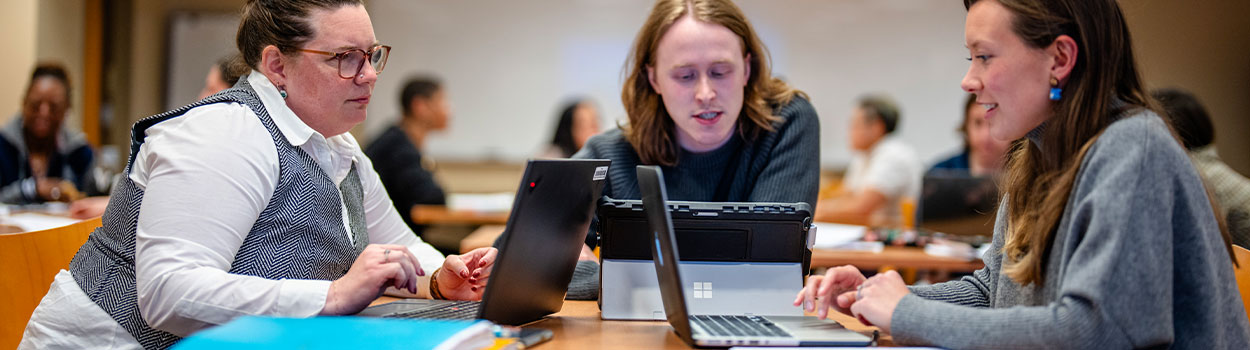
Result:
{"points": [[40, 161], [578, 121], [1231, 189], [883, 172], [396, 153], [982, 155], [223, 75]]}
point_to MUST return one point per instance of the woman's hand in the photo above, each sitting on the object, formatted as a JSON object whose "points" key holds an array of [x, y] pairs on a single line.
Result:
{"points": [[876, 298], [379, 266], [53, 189], [89, 207], [464, 277], [816, 295]]}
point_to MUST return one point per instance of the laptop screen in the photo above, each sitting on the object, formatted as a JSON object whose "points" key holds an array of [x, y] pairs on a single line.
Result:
{"points": [[551, 213], [664, 251], [958, 204]]}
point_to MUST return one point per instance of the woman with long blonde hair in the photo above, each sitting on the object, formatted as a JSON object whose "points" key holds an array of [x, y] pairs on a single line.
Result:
{"points": [[1106, 237], [698, 90], [703, 104]]}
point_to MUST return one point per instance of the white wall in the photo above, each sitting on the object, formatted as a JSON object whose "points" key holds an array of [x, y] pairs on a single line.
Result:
{"points": [[1200, 46], [199, 39], [508, 64], [17, 22], [61, 35]]}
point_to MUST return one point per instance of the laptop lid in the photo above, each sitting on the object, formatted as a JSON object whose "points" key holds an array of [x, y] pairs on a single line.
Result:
{"points": [[803, 330], [654, 197], [754, 253], [539, 248], [958, 204]]}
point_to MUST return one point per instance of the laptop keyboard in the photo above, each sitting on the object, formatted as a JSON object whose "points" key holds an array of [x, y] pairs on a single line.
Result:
{"points": [[739, 326], [458, 310]]}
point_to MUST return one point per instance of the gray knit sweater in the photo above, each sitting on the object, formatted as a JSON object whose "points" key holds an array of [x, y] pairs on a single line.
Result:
{"points": [[779, 166], [1137, 262]]}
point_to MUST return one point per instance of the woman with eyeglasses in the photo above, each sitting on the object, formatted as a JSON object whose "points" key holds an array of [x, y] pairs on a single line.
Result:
{"points": [[255, 201]]}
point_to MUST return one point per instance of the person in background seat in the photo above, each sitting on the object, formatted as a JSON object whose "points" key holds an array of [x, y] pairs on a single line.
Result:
{"points": [[40, 160], [396, 153], [1231, 189], [982, 155], [883, 173], [578, 121]]}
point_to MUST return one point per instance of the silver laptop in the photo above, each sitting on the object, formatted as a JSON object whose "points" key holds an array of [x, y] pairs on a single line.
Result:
{"points": [[538, 250], [722, 330]]}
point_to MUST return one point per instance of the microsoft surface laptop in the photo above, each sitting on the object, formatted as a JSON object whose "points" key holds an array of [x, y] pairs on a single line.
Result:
{"points": [[538, 252], [722, 330], [754, 254]]}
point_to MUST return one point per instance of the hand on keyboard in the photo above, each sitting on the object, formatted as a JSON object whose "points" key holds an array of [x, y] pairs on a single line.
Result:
{"points": [[378, 266], [877, 299], [820, 292]]}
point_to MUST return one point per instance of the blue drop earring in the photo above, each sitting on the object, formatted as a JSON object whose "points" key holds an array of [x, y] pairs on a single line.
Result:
{"points": [[282, 92], [1055, 91]]}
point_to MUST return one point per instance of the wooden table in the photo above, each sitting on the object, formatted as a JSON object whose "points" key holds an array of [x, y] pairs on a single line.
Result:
{"points": [[441, 215], [483, 236], [35, 217], [893, 256], [578, 326]]}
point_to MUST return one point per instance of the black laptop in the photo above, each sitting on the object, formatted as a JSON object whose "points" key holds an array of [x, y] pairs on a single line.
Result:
{"points": [[958, 204], [723, 330], [544, 236]]}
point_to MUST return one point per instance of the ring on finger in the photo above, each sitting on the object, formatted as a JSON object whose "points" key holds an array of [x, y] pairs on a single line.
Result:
{"points": [[859, 292], [386, 255]]}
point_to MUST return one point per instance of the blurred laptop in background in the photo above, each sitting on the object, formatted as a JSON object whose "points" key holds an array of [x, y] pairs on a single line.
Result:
{"points": [[957, 204]]}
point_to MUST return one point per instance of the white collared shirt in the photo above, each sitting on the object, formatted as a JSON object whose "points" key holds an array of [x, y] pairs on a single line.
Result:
{"points": [[207, 175], [892, 168]]}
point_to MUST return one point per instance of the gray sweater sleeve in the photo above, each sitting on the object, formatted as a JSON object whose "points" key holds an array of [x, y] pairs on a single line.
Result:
{"points": [[1111, 273], [17, 192], [974, 290]]}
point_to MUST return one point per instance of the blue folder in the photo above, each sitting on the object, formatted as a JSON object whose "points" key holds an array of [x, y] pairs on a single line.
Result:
{"points": [[340, 332]]}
